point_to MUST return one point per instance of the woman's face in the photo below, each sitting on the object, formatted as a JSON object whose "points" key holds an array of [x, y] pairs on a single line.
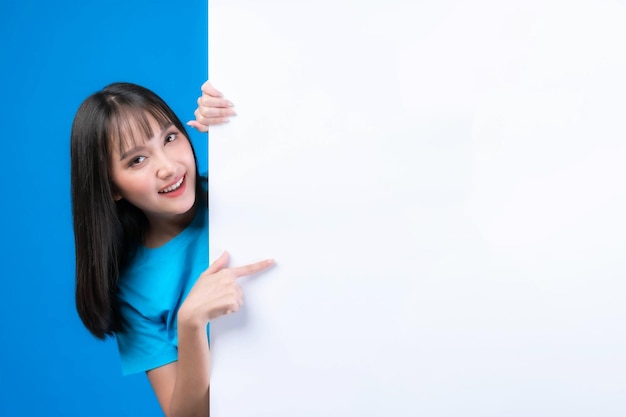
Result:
{"points": [[156, 174]]}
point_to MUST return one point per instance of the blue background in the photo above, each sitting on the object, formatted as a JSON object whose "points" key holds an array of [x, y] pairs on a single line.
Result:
{"points": [[54, 54]]}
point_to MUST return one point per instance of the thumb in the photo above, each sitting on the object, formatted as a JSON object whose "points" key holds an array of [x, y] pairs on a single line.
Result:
{"points": [[197, 126], [219, 264]]}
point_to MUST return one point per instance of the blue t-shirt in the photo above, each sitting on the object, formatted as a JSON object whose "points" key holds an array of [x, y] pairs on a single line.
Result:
{"points": [[150, 292]]}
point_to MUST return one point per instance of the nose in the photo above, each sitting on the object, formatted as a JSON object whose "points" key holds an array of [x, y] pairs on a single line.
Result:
{"points": [[166, 166]]}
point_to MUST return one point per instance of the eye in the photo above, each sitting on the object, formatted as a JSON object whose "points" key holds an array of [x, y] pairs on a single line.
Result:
{"points": [[170, 137], [136, 161]]}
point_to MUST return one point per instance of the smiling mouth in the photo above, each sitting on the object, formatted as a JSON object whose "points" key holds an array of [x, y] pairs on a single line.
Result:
{"points": [[173, 187]]}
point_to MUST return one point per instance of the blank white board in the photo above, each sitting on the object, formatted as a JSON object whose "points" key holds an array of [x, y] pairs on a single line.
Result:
{"points": [[442, 186]]}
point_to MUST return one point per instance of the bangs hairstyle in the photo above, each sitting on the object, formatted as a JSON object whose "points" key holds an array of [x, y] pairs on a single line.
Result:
{"points": [[106, 232], [130, 124]]}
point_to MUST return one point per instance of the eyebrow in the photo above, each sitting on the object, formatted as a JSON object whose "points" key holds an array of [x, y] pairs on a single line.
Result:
{"points": [[127, 153]]}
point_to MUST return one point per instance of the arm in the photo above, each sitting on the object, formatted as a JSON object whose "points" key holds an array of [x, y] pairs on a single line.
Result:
{"points": [[182, 387]]}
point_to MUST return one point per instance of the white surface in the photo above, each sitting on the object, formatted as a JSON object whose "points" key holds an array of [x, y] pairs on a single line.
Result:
{"points": [[443, 186]]}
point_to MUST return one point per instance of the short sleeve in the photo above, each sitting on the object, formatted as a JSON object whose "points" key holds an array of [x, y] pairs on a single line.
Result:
{"points": [[143, 343], [151, 290]]}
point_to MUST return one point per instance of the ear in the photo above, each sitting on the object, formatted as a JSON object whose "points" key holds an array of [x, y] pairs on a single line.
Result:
{"points": [[116, 194]]}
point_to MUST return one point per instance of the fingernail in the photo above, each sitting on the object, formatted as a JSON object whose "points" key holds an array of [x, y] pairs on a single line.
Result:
{"points": [[231, 104]]}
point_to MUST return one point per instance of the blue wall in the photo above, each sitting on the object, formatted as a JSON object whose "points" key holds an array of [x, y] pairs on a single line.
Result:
{"points": [[53, 55]]}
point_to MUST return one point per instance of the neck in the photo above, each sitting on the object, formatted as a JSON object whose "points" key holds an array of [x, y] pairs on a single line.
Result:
{"points": [[162, 230]]}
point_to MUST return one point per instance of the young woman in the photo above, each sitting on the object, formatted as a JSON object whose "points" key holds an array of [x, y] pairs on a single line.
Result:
{"points": [[141, 235]]}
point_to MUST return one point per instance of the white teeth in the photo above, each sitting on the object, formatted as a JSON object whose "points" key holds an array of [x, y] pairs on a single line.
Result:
{"points": [[172, 187]]}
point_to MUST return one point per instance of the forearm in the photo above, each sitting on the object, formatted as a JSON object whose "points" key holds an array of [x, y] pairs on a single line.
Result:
{"points": [[191, 390], [214, 294]]}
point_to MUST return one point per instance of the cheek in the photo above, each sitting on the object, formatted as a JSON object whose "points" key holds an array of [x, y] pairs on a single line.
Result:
{"points": [[124, 185], [189, 155]]}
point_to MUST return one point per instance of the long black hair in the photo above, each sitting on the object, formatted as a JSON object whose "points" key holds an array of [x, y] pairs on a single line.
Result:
{"points": [[107, 232]]}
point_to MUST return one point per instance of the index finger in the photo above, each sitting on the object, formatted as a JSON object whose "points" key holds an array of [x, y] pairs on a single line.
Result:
{"points": [[242, 271], [207, 88]]}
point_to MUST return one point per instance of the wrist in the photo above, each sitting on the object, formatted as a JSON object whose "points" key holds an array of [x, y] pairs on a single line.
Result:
{"points": [[189, 322]]}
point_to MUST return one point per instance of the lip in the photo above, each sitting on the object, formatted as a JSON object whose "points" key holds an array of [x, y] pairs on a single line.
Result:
{"points": [[177, 192]]}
